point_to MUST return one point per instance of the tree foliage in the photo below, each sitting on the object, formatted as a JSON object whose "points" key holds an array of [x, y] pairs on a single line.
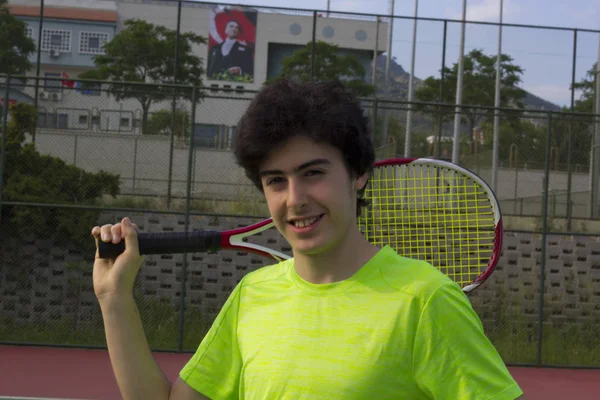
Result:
{"points": [[145, 53], [479, 81], [15, 45], [526, 141], [572, 134], [585, 103], [35, 178], [161, 123], [329, 64]]}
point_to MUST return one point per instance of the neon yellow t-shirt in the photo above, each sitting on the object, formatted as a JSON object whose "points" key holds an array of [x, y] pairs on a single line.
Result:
{"points": [[397, 329]]}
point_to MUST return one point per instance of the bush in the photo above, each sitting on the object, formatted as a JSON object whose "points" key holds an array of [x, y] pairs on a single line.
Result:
{"points": [[160, 123], [35, 178]]}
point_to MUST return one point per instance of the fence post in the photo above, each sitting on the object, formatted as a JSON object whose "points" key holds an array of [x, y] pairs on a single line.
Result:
{"points": [[497, 103], [459, 89], [375, 106], [187, 219], [75, 150], [570, 138], [544, 235], [3, 151], [38, 63], [440, 117], [174, 104], [313, 47], [135, 145], [595, 156]]}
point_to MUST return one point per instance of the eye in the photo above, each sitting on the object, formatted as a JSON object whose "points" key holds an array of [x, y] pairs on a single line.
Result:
{"points": [[314, 172], [274, 181]]}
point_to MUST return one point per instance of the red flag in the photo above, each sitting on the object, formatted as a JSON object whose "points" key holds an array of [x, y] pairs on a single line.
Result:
{"points": [[68, 83]]}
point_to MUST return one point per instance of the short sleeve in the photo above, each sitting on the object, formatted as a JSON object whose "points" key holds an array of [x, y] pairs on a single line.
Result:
{"points": [[214, 370], [452, 356]]}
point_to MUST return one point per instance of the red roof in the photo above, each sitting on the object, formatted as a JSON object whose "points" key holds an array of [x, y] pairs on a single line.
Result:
{"points": [[80, 14]]}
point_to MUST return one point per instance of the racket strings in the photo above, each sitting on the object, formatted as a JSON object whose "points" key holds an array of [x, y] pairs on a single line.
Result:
{"points": [[433, 214]]}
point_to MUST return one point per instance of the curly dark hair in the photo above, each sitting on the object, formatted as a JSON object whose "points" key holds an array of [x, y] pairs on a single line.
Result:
{"points": [[324, 111]]}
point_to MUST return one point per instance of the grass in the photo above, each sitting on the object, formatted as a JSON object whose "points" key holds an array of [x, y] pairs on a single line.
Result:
{"points": [[160, 321], [515, 339], [515, 333], [250, 206], [568, 346], [245, 200]]}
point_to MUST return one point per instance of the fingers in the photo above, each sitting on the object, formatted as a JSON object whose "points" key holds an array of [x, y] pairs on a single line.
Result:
{"points": [[113, 233], [129, 232]]}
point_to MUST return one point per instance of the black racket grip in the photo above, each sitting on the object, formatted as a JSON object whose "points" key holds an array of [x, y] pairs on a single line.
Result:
{"points": [[166, 243]]}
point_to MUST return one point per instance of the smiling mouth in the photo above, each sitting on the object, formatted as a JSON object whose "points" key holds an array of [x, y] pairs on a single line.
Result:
{"points": [[303, 223]]}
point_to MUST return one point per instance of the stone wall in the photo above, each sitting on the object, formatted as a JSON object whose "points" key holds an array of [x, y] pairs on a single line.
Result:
{"points": [[42, 282]]}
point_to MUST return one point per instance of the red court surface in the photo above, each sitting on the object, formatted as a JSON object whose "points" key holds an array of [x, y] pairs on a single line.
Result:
{"points": [[43, 372]]}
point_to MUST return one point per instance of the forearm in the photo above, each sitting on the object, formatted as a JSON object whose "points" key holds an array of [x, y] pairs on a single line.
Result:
{"points": [[137, 373]]}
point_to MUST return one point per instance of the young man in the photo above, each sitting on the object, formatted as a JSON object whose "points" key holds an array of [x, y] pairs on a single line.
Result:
{"points": [[342, 319]]}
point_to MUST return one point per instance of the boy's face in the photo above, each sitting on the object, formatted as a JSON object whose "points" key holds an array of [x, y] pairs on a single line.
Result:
{"points": [[310, 194]]}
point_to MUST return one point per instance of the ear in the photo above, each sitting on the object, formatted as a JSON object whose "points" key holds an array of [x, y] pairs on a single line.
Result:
{"points": [[361, 181]]}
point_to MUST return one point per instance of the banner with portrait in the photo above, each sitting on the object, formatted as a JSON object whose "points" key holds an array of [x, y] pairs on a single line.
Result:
{"points": [[231, 44]]}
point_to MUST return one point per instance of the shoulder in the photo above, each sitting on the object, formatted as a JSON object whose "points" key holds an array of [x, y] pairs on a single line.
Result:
{"points": [[267, 274], [416, 278]]}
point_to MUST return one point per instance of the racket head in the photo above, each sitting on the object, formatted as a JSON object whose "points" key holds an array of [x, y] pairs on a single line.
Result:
{"points": [[435, 211]]}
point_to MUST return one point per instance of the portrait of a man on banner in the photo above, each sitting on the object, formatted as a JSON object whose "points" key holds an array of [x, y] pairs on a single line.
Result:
{"points": [[231, 45]]}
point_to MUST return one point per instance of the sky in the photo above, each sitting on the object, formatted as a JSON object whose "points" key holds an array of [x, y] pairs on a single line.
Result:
{"points": [[546, 55]]}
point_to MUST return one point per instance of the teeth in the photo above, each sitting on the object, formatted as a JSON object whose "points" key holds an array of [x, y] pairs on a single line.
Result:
{"points": [[305, 222]]}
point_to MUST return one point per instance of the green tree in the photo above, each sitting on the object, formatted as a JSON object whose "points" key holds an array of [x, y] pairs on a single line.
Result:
{"points": [[572, 134], [329, 64], [36, 178], [527, 141], [15, 45], [396, 134], [587, 85], [161, 123], [144, 52], [479, 82]]}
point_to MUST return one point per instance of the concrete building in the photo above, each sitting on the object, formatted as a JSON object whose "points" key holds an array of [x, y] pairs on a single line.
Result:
{"points": [[74, 31]]}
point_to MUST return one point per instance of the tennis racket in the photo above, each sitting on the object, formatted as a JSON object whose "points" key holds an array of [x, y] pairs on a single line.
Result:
{"points": [[426, 209]]}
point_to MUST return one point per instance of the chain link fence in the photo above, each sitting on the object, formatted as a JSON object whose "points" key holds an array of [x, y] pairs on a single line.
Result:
{"points": [[96, 159]]}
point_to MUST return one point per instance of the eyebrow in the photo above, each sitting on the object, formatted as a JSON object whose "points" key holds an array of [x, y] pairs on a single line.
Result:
{"points": [[308, 164]]}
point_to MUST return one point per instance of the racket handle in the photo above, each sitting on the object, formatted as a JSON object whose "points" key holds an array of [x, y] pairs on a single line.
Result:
{"points": [[166, 243]]}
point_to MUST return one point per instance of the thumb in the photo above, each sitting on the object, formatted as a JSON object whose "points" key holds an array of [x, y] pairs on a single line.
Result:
{"points": [[130, 235]]}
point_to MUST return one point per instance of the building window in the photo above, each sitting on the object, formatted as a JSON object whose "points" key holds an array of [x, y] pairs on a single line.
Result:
{"points": [[52, 85], [360, 35], [56, 39], [295, 29], [328, 32], [91, 90], [29, 32], [92, 42], [205, 135]]}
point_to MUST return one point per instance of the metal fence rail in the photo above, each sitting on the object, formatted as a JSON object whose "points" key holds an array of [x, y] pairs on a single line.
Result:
{"points": [[92, 163]]}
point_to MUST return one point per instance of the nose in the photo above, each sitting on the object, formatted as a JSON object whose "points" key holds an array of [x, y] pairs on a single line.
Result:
{"points": [[296, 196]]}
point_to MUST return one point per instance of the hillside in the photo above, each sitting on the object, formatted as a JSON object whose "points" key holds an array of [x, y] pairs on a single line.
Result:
{"points": [[399, 85]]}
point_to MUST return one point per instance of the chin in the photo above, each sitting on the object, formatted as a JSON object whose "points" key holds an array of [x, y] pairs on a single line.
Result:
{"points": [[312, 247]]}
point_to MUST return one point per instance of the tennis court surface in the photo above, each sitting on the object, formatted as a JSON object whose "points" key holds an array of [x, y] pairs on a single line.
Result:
{"points": [[61, 373]]}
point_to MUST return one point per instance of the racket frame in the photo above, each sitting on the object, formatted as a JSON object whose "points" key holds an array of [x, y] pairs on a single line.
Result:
{"points": [[234, 239], [499, 229]]}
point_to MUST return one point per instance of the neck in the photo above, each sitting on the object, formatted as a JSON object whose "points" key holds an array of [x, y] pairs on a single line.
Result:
{"points": [[337, 264]]}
